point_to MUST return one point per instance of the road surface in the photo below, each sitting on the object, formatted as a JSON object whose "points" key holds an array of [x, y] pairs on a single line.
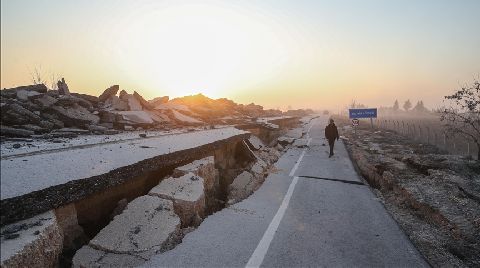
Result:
{"points": [[314, 211]]}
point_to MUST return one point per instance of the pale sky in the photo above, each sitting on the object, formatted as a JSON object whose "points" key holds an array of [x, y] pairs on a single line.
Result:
{"points": [[317, 54]]}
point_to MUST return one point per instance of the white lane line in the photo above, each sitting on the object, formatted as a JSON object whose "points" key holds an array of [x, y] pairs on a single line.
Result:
{"points": [[259, 254], [257, 257]]}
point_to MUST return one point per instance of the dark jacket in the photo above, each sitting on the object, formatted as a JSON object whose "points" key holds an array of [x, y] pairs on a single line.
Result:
{"points": [[331, 132]]}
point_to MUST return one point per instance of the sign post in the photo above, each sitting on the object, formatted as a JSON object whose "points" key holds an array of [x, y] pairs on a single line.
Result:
{"points": [[355, 123], [355, 114]]}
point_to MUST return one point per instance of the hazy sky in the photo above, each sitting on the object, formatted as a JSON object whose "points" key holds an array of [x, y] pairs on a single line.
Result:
{"points": [[318, 54]]}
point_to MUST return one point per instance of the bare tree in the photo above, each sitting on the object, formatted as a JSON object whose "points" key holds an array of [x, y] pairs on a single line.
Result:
{"points": [[462, 113], [36, 75]]}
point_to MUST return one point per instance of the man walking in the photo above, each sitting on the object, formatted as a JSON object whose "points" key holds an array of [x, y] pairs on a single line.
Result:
{"points": [[331, 133]]}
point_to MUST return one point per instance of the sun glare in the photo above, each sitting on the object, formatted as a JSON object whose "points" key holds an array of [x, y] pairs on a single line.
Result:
{"points": [[188, 49]]}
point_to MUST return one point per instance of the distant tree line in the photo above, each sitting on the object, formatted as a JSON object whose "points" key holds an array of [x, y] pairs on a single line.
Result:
{"points": [[419, 108]]}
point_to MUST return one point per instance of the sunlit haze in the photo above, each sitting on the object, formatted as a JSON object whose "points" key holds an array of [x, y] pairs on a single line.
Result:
{"points": [[302, 54]]}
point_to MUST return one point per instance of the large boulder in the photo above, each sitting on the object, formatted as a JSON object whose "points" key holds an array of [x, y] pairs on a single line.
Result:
{"points": [[109, 92], [187, 194]]}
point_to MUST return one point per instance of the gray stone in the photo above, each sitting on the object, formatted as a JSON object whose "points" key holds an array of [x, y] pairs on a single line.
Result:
{"points": [[144, 226]]}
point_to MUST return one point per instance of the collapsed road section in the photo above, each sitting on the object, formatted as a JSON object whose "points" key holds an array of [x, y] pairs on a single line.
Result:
{"points": [[121, 202]]}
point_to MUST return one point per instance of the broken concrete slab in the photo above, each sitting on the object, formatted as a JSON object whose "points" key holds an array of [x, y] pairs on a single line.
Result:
{"points": [[90, 257], [204, 168], [34, 242], [144, 226], [75, 115], [188, 196], [45, 101], [15, 132], [284, 141], [185, 118], [142, 101], [115, 103], [158, 101], [111, 91], [24, 95], [135, 117], [256, 142], [259, 167], [241, 187], [40, 88]]}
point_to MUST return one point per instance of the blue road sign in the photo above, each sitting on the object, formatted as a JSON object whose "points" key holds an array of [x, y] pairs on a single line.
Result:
{"points": [[363, 113]]}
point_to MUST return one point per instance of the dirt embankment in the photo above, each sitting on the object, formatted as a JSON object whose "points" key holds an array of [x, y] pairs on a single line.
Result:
{"points": [[435, 197]]}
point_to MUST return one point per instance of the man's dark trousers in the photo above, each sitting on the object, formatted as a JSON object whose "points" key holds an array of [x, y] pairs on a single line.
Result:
{"points": [[331, 143]]}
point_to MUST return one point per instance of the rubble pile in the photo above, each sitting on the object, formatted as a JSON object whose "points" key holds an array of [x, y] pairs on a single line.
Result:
{"points": [[29, 111], [434, 196]]}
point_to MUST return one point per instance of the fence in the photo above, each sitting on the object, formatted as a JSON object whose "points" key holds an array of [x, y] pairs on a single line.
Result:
{"points": [[429, 131]]}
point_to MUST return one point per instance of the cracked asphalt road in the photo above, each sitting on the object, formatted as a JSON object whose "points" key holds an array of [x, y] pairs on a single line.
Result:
{"points": [[298, 219]]}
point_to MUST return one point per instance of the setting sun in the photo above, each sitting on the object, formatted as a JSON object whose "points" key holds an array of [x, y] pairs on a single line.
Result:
{"points": [[188, 49]]}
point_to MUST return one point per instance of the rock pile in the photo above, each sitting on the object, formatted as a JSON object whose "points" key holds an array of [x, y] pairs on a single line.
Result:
{"points": [[35, 110]]}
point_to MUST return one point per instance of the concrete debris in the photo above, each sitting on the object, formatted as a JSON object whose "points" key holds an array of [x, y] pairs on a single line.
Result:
{"points": [[109, 92], [35, 242], [90, 257], [188, 196], [63, 87], [41, 110], [242, 186], [16, 132], [159, 100], [141, 230]]}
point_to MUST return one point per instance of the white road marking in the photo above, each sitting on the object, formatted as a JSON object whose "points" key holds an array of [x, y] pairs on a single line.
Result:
{"points": [[259, 254], [257, 257]]}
